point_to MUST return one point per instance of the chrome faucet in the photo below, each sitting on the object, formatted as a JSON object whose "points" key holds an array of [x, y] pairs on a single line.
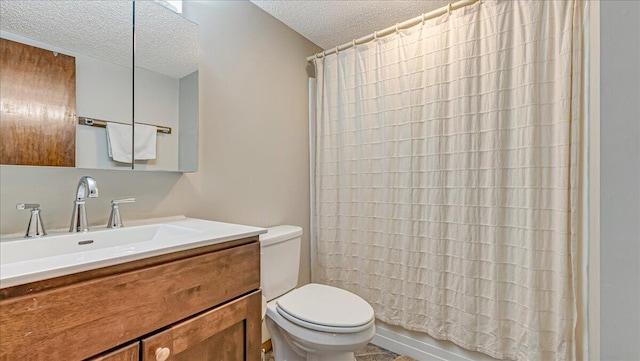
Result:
{"points": [[35, 227], [115, 221], [87, 187]]}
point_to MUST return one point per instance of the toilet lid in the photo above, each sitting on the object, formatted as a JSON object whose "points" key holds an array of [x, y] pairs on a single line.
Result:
{"points": [[327, 306]]}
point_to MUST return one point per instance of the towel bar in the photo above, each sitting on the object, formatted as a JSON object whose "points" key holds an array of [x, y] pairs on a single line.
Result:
{"points": [[103, 124]]}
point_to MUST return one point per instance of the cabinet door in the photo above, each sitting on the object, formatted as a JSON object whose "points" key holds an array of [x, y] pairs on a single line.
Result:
{"points": [[126, 353], [230, 332]]}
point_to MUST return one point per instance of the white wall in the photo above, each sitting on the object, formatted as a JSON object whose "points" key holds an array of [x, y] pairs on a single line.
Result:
{"points": [[156, 101], [188, 123], [254, 146], [103, 91], [253, 155], [620, 180]]}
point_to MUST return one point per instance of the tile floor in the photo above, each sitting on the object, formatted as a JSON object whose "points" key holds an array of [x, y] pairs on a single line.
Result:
{"points": [[368, 353]]}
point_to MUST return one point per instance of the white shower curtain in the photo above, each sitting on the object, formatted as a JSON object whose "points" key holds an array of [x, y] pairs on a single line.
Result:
{"points": [[446, 175]]}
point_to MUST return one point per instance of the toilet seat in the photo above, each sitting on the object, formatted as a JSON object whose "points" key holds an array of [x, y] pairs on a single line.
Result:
{"points": [[323, 328], [325, 308]]}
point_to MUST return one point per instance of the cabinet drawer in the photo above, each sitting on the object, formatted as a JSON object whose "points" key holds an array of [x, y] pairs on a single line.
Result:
{"points": [[227, 333], [84, 319], [126, 353]]}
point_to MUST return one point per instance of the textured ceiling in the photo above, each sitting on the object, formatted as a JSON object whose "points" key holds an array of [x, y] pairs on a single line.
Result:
{"points": [[329, 23], [165, 42]]}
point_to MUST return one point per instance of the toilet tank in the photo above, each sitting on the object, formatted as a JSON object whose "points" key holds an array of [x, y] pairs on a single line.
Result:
{"points": [[279, 260]]}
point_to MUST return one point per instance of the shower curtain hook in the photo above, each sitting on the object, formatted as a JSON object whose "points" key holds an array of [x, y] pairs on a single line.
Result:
{"points": [[337, 50], [423, 18], [354, 43], [375, 35], [449, 9], [397, 31]]}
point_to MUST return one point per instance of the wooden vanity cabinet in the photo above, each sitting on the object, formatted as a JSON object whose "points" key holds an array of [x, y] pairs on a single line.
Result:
{"points": [[202, 305]]}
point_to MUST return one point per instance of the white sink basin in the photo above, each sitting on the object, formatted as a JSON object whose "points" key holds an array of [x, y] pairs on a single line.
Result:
{"points": [[119, 241], [61, 253]]}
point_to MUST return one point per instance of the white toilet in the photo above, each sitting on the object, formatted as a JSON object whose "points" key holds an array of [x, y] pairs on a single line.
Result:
{"points": [[314, 322]]}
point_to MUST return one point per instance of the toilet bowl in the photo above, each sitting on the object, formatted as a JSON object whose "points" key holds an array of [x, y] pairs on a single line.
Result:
{"points": [[318, 322], [314, 322]]}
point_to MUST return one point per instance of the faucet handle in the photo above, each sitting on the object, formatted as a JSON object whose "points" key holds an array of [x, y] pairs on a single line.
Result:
{"points": [[115, 202], [35, 227], [115, 221], [23, 206]]}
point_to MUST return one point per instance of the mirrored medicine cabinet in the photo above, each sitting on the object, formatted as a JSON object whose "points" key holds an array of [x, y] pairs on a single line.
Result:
{"points": [[76, 74]]}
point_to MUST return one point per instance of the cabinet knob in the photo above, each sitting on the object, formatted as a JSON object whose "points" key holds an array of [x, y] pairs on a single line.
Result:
{"points": [[162, 353]]}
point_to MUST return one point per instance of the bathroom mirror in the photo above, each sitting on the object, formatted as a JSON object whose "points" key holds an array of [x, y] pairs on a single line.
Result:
{"points": [[166, 87], [57, 116]]}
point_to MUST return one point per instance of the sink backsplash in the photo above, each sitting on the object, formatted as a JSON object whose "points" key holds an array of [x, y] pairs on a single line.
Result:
{"points": [[157, 194]]}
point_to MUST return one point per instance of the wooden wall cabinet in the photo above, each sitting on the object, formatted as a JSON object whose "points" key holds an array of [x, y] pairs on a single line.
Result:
{"points": [[198, 305]]}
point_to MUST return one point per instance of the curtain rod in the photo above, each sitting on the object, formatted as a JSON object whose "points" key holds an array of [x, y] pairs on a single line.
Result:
{"points": [[392, 29]]}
